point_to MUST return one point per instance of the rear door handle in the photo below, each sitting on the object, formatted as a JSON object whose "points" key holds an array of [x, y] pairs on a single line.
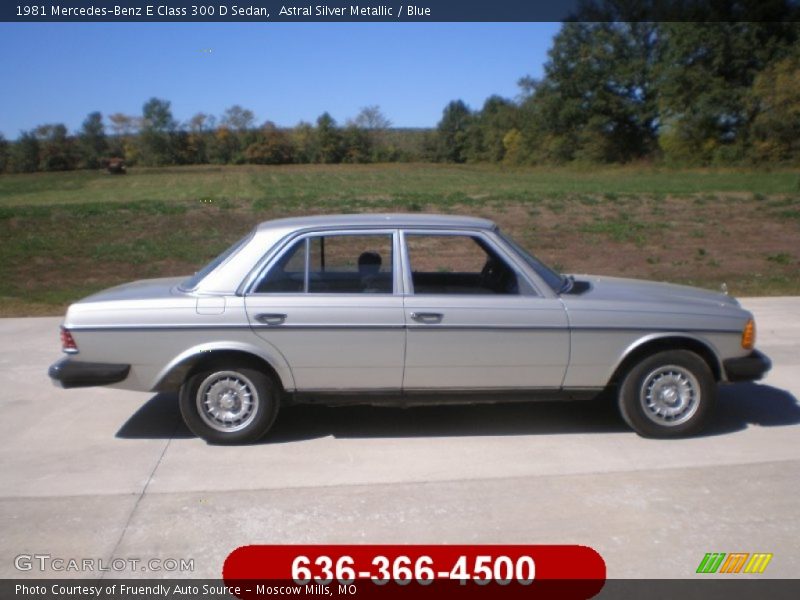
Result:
{"points": [[271, 318], [427, 317]]}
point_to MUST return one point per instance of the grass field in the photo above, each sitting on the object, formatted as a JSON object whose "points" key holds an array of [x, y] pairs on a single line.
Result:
{"points": [[65, 235]]}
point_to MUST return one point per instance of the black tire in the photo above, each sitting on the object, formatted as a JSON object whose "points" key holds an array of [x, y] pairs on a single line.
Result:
{"points": [[228, 404], [668, 394]]}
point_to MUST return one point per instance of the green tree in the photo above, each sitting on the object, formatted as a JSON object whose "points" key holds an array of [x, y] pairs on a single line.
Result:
{"points": [[329, 146], [303, 140], [240, 123], [430, 146], [24, 155], [124, 125], [489, 127], [357, 144], [376, 125], [597, 101], [705, 79], [372, 119], [513, 152], [92, 141], [238, 118], [3, 154], [452, 132], [157, 116], [122, 143], [272, 146], [775, 100], [156, 137], [200, 129], [179, 148], [224, 146], [56, 150]]}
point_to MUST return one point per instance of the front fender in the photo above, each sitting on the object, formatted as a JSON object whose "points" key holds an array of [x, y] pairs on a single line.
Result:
{"points": [[673, 339]]}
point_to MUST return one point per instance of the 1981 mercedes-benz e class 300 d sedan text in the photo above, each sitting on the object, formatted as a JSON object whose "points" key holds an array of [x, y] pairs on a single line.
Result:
{"points": [[405, 309]]}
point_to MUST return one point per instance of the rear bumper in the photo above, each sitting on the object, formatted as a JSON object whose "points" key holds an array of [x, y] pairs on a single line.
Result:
{"points": [[747, 368], [68, 373]]}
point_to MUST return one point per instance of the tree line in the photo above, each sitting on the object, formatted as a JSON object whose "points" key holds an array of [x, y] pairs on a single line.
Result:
{"points": [[719, 90], [156, 138]]}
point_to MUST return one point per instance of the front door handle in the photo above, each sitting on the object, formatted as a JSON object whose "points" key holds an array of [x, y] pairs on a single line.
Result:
{"points": [[427, 317], [271, 318]]}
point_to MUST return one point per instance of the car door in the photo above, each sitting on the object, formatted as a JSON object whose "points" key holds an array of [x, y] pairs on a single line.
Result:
{"points": [[474, 321], [330, 304]]}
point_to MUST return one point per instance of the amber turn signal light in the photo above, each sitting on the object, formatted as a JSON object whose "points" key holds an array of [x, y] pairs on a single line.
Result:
{"points": [[749, 335]]}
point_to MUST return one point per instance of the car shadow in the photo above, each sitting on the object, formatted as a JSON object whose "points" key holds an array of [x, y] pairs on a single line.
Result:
{"points": [[158, 418], [744, 404], [740, 406]]}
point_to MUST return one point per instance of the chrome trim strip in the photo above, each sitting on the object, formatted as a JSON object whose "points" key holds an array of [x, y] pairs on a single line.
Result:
{"points": [[220, 327], [431, 327], [652, 329], [333, 327], [436, 327], [158, 327]]}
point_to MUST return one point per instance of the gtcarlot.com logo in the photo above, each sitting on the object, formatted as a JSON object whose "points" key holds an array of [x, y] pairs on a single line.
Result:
{"points": [[47, 562], [735, 562]]}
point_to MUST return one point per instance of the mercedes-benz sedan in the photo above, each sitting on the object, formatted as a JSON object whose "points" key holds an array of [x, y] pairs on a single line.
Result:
{"points": [[404, 309]]}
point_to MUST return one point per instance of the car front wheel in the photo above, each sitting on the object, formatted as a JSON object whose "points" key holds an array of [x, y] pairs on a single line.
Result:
{"points": [[668, 394], [229, 405]]}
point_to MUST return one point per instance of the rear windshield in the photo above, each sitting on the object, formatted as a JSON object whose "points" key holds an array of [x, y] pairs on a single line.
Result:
{"points": [[195, 279]]}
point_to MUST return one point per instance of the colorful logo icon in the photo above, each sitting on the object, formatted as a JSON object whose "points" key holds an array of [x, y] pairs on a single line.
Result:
{"points": [[735, 562]]}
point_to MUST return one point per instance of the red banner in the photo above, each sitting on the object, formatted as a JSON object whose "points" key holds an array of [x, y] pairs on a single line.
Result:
{"points": [[514, 571]]}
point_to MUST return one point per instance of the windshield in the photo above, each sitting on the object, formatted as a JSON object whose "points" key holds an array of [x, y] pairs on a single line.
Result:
{"points": [[195, 279], [555, 280]]}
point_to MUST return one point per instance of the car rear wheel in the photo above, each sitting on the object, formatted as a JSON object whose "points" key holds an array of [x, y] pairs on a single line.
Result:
{"points": [[668, 394], [229, 405]]}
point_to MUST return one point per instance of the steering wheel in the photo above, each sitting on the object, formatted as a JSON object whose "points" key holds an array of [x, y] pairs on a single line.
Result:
{"points": [[498, 278], [492, 274]]}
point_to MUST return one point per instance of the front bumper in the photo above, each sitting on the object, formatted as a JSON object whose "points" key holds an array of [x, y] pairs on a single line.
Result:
{"points": [[69, 373], [747, 368]]}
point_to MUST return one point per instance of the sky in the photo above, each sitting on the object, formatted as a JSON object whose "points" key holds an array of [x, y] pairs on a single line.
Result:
{"points": [[283, 72]]}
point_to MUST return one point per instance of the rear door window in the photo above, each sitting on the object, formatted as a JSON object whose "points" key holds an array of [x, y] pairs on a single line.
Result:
{"points": [[334, 264]]}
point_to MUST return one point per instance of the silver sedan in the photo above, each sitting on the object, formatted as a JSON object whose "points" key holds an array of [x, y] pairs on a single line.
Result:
{"points": [[405, 309]]}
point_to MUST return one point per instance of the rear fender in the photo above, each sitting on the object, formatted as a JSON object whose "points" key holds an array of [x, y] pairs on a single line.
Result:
{"points": [[172, 376]]}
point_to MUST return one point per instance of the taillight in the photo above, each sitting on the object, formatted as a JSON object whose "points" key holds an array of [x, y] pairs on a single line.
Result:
{"points": [[68, 342], [749, 335]]}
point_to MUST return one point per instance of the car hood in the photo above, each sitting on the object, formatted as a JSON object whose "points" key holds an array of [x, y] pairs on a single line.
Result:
{"points": [[145, 289], [618, 289]]}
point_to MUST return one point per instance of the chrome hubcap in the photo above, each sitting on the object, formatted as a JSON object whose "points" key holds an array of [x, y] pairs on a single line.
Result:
{"points": [[227, 401], [670, 395]]}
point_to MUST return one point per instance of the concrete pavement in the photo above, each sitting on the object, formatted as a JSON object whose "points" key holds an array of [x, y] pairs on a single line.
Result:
{"points": [[100, 473]]}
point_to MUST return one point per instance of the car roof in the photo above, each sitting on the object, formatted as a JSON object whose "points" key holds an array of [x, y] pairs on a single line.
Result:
{"points": [[420, 220]]}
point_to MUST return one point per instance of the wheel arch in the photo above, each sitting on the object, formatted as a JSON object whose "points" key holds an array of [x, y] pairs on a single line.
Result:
{"points": [[650, 345], [203, 356]]}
